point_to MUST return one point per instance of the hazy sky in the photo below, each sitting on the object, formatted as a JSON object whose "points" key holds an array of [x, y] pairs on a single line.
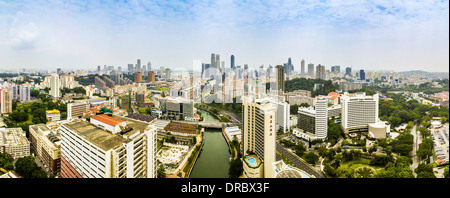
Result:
{"points": [[373, 35]]}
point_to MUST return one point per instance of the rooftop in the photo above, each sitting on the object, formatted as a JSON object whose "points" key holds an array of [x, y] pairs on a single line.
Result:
{"points": [[104, 139], [108, 119], [181, 127]]}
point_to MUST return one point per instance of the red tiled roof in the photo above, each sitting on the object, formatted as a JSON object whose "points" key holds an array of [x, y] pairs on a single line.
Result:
{"points": [[107, 119]]}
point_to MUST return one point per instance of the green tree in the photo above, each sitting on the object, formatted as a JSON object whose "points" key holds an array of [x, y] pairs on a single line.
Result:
{"points": [[236, 168], [311, 157], [424, 171]]}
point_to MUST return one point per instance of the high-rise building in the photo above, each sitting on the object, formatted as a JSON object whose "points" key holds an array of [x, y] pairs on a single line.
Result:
{"points": [[358, 111], [313, 122], [213, 64], [75, 110], [336, 69], [14, 142], [362, 74], [258, 138], [54, 86], [137, 77], [232, 62], [302, 67], [24, 92], [282, 114], [108, 147], [348, 71], [320, 72], [45, 142], [280, 79], [151, 77], [311, 70], [130, 68], [5, 100], [138, 65]]}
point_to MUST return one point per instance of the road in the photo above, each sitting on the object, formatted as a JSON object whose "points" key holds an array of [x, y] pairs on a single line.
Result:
{"points": [[417, 141], [298, 162]]}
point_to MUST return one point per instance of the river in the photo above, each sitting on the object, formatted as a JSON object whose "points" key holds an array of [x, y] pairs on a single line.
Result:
{"points": [[213, 161]]}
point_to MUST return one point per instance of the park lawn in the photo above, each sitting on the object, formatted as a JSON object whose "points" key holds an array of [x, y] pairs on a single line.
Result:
{"points": [[163, 88], [360, 163]]}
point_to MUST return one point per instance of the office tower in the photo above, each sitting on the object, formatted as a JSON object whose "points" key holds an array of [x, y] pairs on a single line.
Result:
{"points": [[137, 77], [105, 69], [119, 70], [320, 72], [310, 70], [24, 93], [54, 86], [98, 68], [45, 142], [280, 79], [222, 70], [207, 70], [75, 110], [130, 69], [203, 71], [302, 67], [348, 71], [217, 63], [138, 65], [258, 138], [58, 71], [108, 147], [213, 64], [362, 74], [5, 100], [358, 110], [232, 62], [167, 74], [149, 66], [336, 69], [151, 77]]}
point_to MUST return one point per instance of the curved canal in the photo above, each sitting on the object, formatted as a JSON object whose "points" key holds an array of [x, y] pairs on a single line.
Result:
{"points": [[213, 161]]}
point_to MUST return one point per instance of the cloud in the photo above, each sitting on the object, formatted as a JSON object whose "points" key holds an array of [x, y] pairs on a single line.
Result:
{"points": [[22, 32]]}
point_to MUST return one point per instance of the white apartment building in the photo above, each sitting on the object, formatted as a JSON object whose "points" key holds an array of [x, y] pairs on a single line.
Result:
{"points": [[258, 138], [358, 111], [90, 151], [14, 142], [54, 86], [313, 122]]}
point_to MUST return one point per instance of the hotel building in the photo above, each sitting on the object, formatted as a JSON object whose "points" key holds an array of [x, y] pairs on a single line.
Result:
{"points": [[358, 111], [258, 138], [108, 147]]}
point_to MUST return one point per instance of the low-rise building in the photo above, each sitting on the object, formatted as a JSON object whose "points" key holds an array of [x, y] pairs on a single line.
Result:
{"points": [[53, 115]]}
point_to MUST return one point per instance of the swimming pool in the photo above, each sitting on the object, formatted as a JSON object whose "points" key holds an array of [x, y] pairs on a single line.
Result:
{"points": [[252, 161]]}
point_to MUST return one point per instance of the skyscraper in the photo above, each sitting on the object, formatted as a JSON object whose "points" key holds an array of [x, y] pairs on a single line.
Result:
{"points": [[362, 74], [311, 70], [138, 65], [54, 86], [348, 71], [320, 72], [302, 67], [258, 138], [232, 61], [280, 79]]}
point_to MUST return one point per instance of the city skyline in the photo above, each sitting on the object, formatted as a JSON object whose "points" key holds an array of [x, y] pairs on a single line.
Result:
{"points": [[400, 36]]}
